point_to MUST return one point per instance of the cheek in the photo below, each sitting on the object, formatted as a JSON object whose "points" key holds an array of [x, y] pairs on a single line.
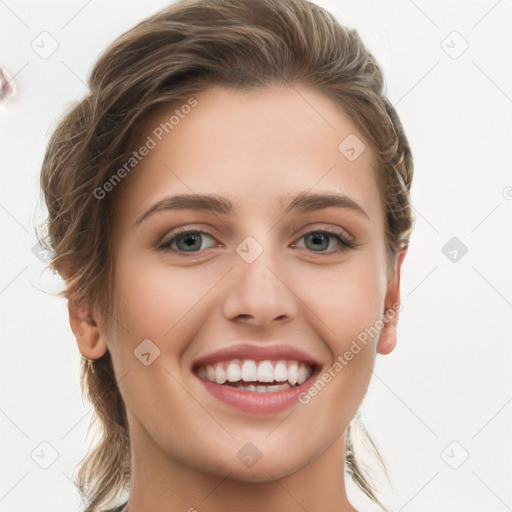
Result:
{"points": [[158, 304], [348, 298], [347, 307], [152, 298], [165, 305], [348, 303]]}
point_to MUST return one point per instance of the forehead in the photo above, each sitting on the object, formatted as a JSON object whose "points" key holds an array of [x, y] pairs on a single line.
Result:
{"points": [[255, 147]]}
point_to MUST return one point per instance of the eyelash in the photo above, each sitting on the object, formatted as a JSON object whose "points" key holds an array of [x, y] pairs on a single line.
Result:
{"points": [[180, 232]]}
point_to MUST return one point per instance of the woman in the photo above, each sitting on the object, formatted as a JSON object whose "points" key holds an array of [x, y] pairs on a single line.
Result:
{"points": [[230, 209]]}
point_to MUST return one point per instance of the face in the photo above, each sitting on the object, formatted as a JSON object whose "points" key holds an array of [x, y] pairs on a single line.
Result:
{"points": [[266, 275]]}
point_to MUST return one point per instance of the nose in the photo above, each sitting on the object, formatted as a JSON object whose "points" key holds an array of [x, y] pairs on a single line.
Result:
{"points": [[260, 292]]}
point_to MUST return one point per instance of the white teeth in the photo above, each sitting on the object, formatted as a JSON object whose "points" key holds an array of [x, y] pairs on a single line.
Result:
{"points": [[220, 374], [234, 372], [249, 371], [265, 372], [292, 372], [280, 373], [210, 373]]}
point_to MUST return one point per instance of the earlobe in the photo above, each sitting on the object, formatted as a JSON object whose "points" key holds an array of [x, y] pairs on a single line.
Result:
{"points": [[388, 339], [84, 323]]}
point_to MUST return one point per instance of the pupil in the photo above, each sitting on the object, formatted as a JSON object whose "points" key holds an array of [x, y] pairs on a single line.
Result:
{"points": [[191, 239], [318, 238]]}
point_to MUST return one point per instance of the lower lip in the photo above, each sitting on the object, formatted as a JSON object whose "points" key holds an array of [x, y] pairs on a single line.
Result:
{"points": [[258, 402]]}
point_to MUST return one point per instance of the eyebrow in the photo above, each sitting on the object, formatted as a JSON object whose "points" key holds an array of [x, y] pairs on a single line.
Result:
{"points": [[302, 203]]}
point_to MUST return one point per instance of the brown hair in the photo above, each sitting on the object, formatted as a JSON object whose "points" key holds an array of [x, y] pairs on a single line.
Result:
{"points": [[186, 48]]}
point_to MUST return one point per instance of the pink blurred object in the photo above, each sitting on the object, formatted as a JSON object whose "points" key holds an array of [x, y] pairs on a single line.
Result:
{"points": [[7, 86]]}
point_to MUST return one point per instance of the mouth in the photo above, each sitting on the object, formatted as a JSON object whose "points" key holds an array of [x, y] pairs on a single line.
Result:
{"points": [[265, 376], [259, 385]]}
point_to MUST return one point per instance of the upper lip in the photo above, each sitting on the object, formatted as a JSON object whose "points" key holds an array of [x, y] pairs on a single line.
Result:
{"points": [[256, 352]]}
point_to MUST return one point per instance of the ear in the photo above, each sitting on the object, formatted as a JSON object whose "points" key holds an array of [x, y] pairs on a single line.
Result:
{"points": [[387, 339], [84, 322]]}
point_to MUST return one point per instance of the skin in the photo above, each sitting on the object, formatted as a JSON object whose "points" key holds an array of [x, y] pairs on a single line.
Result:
{"points": [[253, 148]]}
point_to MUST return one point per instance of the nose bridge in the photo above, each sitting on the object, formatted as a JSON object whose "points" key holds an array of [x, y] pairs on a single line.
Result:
{"points": [[258, 264], [259, 289]]}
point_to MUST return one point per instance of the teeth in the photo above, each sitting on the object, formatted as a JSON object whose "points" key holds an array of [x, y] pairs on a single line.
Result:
{"points": [[249, 371], [264, 389], [234, 372], [301, 373], [290, 372], [220, 375], [273, 389], [210, 373], [280, 373], [265, 372]]}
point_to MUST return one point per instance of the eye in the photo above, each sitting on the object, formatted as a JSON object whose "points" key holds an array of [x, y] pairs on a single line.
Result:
{"points": [[315, 240], [187, 240]]}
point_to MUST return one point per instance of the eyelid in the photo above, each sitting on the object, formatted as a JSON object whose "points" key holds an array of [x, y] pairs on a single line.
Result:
{"points": [[324, 227]]}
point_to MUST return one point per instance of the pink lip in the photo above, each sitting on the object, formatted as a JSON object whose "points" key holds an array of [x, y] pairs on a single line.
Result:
{"points": [[256, 402], [257, 353]]}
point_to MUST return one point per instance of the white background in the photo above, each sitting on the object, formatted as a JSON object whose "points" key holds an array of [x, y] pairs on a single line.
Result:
{"points": [[449, 378]]}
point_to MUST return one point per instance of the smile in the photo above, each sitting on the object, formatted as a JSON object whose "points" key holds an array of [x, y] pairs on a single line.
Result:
{"points": [[258, 376], [257, 387]]}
